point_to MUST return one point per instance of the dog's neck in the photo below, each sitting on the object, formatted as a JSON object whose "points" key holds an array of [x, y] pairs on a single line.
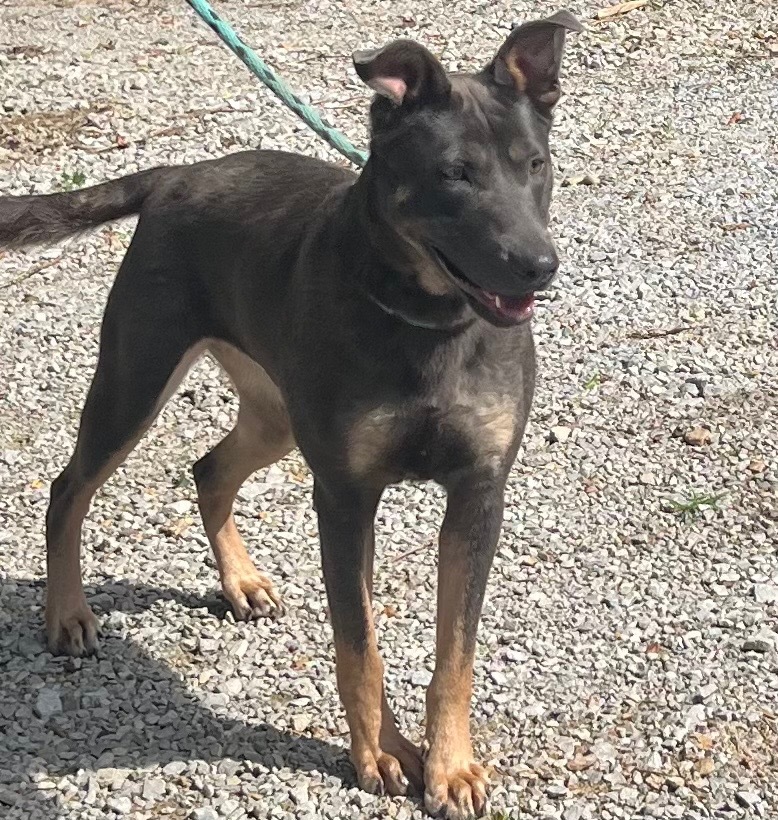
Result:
{"points": [[394, 270]]}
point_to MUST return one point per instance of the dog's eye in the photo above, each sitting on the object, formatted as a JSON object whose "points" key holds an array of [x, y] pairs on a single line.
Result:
{"points": [[536, 165], [455, 173]]}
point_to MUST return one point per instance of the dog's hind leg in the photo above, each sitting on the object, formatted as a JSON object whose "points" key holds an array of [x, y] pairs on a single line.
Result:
{"points": [[261, 436], [148, 341]]}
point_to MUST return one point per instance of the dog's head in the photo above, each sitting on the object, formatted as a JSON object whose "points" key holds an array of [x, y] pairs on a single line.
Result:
{"points": [[462, 161]]}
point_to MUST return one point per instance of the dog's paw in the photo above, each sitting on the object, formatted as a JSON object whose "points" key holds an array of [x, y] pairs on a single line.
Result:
{"points": [[252, 596], [455, 793], [71, 628], [395, 770]]}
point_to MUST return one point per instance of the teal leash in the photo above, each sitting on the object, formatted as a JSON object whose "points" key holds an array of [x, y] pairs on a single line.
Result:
{"points": [[276, 84]]}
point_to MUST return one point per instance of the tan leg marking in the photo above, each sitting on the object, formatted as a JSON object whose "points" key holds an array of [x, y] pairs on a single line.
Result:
{"points": [[261, 436], [385, 761], [71, 626], [455, 786]]}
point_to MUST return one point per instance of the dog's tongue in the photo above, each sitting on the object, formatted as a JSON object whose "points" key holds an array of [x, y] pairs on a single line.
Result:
{"points": [[514, 308]]}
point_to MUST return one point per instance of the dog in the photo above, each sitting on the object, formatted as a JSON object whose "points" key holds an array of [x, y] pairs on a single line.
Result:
{"points": [[380, 322]]}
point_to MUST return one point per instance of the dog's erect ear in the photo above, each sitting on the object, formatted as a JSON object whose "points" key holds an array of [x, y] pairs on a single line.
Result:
{"points": [[403, 71], [529, 60]]}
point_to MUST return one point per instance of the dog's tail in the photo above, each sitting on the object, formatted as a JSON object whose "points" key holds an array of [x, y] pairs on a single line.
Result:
{"points": [[29, 220]]}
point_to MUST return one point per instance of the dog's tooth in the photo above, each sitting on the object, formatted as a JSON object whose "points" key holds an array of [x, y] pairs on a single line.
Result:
{"points": [[497, 302]]}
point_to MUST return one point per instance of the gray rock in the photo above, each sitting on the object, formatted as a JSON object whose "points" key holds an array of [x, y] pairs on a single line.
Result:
{"points": [[205, 813], [559, 434], [47, 703], [421, 677], [181, 507], [109, 776], [695, 716], [363, 799], [154, 788], [28, 645], [229, 808], [762, 641], [121, 804], [766, 593], [300, 795], [748, 799], [8, 798]]}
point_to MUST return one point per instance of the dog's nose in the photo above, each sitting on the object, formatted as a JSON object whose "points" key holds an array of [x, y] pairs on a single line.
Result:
{"points": [[539, 269], [543, 267]]}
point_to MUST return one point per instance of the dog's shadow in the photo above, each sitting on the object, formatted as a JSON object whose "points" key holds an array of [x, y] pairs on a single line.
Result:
{"points": [[102, 726]]}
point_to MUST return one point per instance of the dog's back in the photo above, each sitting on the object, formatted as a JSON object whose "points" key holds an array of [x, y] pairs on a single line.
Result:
{"points": [[232, 186]]}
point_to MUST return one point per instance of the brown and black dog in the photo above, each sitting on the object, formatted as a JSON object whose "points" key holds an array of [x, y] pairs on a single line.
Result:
{"points": [[380, 322]]}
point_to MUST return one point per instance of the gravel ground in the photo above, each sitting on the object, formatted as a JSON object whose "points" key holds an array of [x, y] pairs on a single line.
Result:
{"points": [[628, 656]]}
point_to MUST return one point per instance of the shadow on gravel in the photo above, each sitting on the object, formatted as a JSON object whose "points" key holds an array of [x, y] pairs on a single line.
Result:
{"points": [[121, 709]]}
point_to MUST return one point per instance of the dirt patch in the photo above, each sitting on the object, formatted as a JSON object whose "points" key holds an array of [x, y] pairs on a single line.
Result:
{"points": [[39, 130]]}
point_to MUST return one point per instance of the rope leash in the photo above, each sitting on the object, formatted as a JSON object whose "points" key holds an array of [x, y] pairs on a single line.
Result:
{"points": [[266, 74]]}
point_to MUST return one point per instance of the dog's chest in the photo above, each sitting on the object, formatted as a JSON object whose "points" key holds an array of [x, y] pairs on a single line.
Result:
{"points": [[433, 436]]}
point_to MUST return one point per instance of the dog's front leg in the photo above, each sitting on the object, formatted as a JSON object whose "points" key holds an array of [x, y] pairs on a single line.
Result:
{"points": [[455, 786], [384, 760]]}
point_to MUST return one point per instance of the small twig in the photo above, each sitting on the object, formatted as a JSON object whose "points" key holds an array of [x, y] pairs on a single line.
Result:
{"points": [[658, 332], [426, 545], [199, 112], [350, 103], [172, 130], [314, 58], [729, 227], [619, 9], [87, 149], [31, 272]]}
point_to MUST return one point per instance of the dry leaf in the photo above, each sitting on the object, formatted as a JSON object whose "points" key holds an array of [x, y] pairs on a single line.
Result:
{"points": [[736, 118], [756, 465], [177, 528], [705, 766], [654, 649], [581, 179], [655, 781], [594, 703], [620, 8], [580, 762], [389, 611], [697, 436], [115, 242]]}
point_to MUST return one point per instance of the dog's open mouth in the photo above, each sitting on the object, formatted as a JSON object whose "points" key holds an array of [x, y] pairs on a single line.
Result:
{"points": [[505, 309]]}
